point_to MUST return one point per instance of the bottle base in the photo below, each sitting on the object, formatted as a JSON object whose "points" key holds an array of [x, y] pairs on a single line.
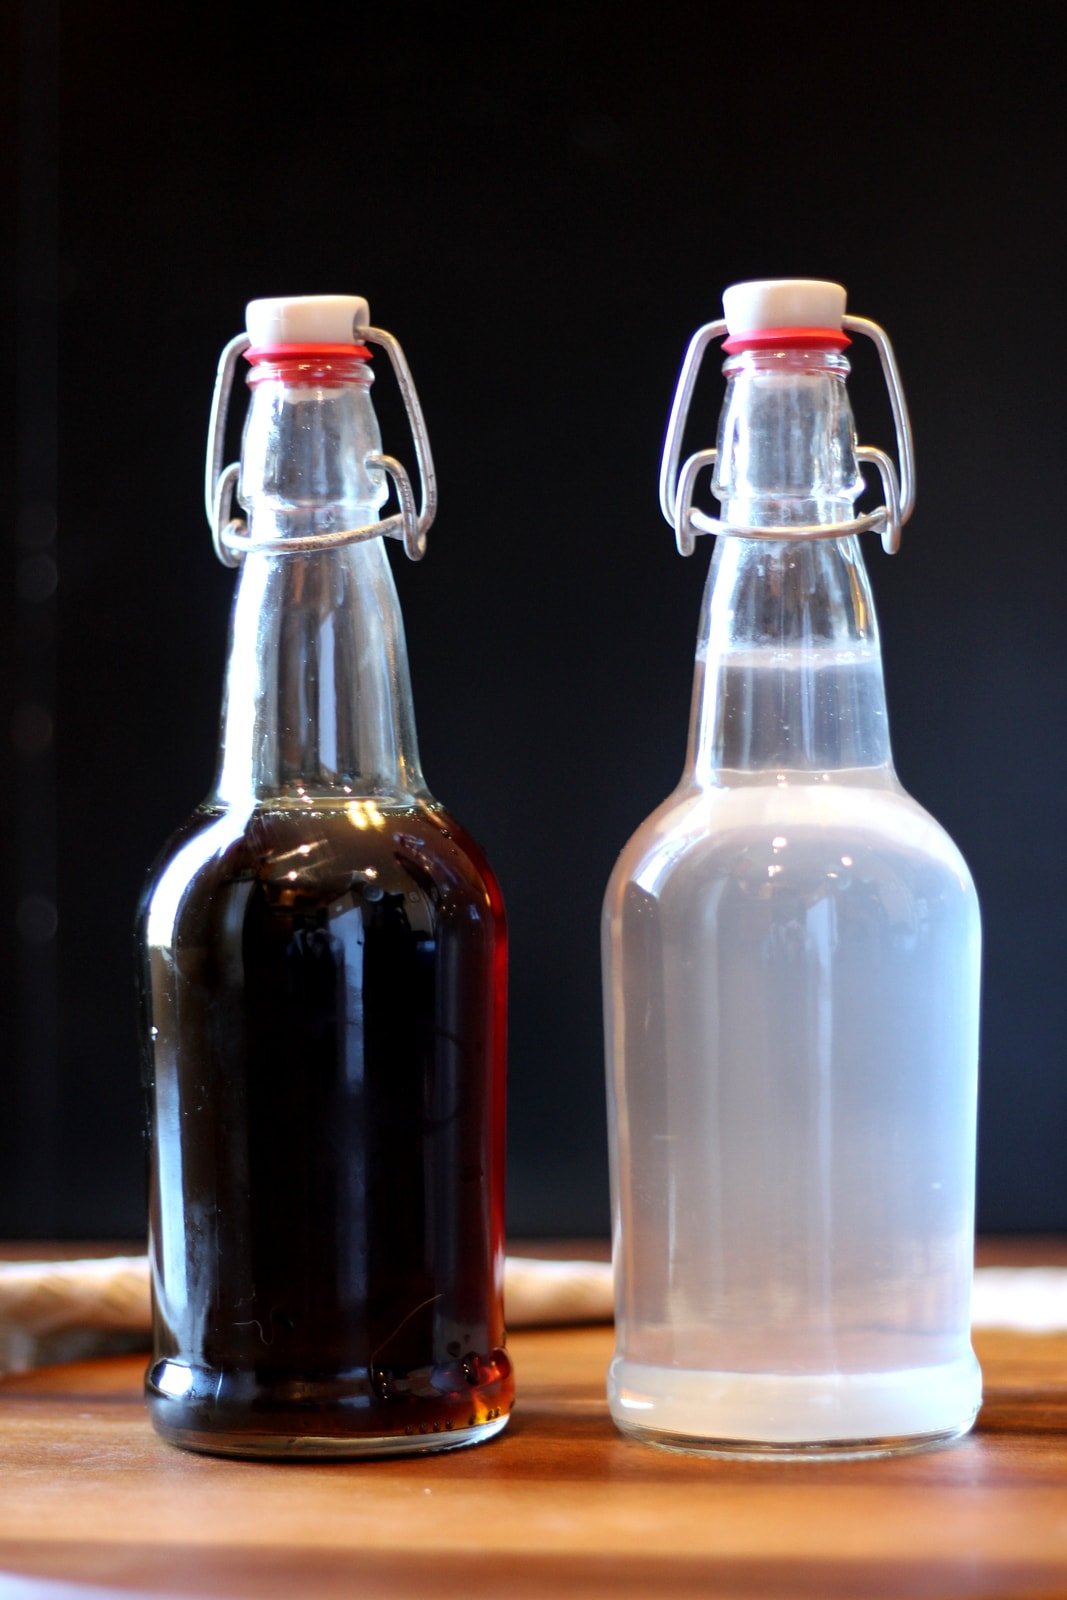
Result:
{"points": [[836, 1415], [820, 1450], [346, 1416], [325, 1447]]}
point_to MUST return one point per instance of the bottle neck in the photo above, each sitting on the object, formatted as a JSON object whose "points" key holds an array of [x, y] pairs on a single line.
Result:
{"points": [[318, 695], [789, 670]]}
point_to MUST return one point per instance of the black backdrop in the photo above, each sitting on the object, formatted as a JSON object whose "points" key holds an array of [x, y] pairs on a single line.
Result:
{"points": [[542, 204]]}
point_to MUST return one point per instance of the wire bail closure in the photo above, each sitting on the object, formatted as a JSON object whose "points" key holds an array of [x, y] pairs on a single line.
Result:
{"points": [[230, 534], [676, 487]]}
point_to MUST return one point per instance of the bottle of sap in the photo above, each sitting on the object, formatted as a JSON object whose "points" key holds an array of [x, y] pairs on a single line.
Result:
{"points": [[791, 950], [324, 968]]}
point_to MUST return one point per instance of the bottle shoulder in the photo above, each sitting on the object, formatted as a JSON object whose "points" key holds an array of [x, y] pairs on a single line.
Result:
{"points": [[798, 831], [317, 853]]}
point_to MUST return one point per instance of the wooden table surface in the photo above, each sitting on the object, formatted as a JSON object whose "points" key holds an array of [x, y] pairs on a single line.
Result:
{"points": [[559, 1504]]}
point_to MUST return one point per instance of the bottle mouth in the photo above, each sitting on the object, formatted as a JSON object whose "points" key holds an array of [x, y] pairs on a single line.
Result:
{"points": [[787, 339]]}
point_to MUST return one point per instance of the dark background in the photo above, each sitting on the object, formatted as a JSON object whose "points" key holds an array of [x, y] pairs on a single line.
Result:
{"points": [[543, 205]]}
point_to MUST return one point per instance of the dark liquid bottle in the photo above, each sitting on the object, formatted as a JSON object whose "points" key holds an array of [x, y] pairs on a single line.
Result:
{"points": [[324, 970]]}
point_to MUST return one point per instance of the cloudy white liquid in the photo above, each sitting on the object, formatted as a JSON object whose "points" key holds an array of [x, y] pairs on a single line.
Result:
{"points": [[792, 961]]}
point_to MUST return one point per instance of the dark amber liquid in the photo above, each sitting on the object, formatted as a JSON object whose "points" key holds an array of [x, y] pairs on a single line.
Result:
{"points": [[325, 993]]}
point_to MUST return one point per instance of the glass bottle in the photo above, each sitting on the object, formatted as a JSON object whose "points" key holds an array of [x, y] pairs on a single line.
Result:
{"points": [[323, 959], [791, 951]]}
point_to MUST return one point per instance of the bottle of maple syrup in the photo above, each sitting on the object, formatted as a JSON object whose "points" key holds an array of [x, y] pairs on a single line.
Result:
{"points": [[323, 961]]}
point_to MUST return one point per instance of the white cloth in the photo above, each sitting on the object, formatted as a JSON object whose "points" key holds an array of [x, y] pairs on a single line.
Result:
{"points": [[64, 1310], [1025, 1299]]}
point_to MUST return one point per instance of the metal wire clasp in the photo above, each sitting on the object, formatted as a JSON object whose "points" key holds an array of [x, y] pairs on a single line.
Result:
{"points": [[230, 534], [676, 487]]}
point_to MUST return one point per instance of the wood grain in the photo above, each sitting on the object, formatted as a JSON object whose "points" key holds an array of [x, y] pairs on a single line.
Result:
{"points": [[559, 1504]]}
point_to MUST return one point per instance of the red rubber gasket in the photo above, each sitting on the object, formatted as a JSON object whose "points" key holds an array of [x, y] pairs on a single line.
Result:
{"points": [[308, 352], [787, 339]]}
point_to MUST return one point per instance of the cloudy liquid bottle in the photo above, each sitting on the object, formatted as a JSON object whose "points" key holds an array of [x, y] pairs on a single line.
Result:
{"points": [[324, 973], [791, 949]]}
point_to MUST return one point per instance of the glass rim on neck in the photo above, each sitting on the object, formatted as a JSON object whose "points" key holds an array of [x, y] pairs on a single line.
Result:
{"points": [[789, 358]]}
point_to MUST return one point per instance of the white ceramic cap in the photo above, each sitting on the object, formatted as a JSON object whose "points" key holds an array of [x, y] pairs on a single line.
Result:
{"points": [[305, 319], [783, 303]]}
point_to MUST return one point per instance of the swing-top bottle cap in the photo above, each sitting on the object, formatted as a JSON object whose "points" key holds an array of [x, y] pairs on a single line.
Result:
{"points": [[303, 319], [805, 310]]}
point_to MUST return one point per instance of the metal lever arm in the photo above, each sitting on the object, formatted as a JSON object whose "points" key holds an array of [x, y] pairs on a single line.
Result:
{"points": [[676, 486], [230, 534]]}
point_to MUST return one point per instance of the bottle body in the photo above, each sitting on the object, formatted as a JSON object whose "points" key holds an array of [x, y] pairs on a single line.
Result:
{"points": [[791, 950], [323, 959], [791, 1018], [324, 1003]]}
